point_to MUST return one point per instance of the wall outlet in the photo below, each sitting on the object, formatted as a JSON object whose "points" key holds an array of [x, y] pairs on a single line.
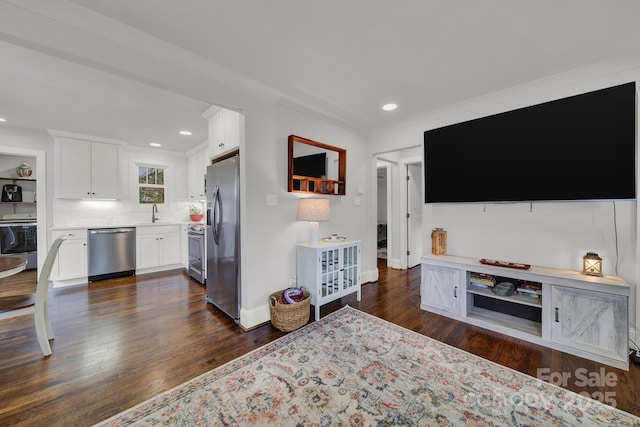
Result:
{"points": [[292, 282]]}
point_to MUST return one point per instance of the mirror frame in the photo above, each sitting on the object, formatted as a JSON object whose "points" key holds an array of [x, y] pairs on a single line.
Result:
{"points": [[318, 185]]}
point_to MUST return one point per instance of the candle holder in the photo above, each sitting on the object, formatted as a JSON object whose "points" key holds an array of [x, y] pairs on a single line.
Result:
{"points": [[592, 264]]}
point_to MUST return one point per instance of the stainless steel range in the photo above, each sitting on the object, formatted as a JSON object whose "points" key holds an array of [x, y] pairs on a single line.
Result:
{"points": [[197, 257], [18, 237]]}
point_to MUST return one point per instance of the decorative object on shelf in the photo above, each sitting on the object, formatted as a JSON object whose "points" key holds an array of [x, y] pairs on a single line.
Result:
{"points": [[289, 316], [316, 167], [592, 264], [505, 264], [24, 170], [334, 238], [504, 289], [314, 210], [11, 193], [195, 213], [439, 241]]}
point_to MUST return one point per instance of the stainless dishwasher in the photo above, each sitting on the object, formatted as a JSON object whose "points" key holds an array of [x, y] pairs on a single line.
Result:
{"points": [[111, 252]]}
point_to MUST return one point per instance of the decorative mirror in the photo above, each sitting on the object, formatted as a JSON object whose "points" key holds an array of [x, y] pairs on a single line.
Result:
{"points": [[315, 167]]}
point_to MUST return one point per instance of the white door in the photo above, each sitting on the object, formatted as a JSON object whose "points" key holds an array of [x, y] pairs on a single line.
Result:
{"points": [[414, 214]]}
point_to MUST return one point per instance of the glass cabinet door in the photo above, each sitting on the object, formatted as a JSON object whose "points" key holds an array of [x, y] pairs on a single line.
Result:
{"points": [[330, 271]]}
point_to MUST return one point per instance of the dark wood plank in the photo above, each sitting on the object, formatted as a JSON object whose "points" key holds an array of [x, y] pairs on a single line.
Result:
{"points": [[122, 341]]}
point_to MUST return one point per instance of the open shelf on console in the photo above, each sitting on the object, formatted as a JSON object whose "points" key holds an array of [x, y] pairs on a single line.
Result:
{"points": [[519, 312], [506, 320], [517, 299]]}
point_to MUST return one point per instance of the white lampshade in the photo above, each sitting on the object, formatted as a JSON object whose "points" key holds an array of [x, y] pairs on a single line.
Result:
{"points": [[313, 210]]}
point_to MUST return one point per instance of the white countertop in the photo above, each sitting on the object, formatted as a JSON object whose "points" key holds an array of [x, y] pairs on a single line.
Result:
{"points": [[141, 224]]}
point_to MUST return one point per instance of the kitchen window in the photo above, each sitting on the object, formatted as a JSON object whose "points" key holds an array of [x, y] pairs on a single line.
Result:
{"points": [[151, 184]]}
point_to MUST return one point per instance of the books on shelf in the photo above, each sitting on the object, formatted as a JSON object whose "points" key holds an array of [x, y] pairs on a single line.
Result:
{"points": [[530, 289], [482, 280]]}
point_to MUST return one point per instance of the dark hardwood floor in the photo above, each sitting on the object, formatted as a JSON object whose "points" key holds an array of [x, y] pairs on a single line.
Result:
{"points": [[122, 341]]}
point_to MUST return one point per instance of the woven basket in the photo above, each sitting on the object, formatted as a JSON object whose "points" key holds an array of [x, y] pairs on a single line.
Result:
{"points": [[288, 317]]}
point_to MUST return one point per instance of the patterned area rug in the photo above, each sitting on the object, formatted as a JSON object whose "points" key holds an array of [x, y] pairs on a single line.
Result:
{"points": [[354, 369]]}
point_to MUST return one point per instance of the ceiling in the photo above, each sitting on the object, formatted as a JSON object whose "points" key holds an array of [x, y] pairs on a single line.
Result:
{"points": [[343, 59]]}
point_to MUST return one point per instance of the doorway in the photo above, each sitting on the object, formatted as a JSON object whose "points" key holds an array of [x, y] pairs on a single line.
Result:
{"points": [[382, 237], [398, 197]]}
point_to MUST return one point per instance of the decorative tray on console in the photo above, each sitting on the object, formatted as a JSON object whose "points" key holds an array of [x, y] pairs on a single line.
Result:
{"points": [[505, 264]]}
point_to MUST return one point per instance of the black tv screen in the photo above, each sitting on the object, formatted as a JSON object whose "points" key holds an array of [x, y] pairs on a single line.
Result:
{"points": [[313, 165], [578, 148]]}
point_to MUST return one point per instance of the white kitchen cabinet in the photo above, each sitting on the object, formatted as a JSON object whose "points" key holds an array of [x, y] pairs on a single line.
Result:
{"points": [[184, 246], [440, 288], [224, 130], [86, 169], [328, 270], [158, 247], [70, 266], [590, 321], [196, 164]]}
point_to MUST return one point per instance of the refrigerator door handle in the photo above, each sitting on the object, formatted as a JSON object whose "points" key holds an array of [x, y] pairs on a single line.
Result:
{"points": [[216, 213]]}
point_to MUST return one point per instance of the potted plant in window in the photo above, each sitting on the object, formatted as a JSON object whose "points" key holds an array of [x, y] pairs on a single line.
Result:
{"points": [[195, 213]]}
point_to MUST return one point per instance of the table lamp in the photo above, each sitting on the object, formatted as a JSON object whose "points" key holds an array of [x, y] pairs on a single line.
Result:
{"points": [[313, 211]]}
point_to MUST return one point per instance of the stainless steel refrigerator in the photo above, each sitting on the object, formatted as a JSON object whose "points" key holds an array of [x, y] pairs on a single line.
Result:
{"points": [[223, 235]]}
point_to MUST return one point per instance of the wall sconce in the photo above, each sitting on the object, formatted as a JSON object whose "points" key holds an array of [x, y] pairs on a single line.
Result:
{"points": [[313, 210], [592, 264]]}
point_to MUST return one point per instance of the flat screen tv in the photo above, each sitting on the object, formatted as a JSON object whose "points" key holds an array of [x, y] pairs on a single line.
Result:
{"points": [[578, 148]]}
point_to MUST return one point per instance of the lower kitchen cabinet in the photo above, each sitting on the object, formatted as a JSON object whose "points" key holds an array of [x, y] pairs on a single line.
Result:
{"points": [[184, 246], [70, 266], [158, 247]]}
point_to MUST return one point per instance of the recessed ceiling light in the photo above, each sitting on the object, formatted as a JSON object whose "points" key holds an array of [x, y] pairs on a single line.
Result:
{"points": [[185, 132], [2, 119], [155, 144], [389, 107]]}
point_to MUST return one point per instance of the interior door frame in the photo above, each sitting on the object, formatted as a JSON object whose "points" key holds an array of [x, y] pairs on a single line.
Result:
{"points": [[404, 203], [409, 244], [41, 190]]}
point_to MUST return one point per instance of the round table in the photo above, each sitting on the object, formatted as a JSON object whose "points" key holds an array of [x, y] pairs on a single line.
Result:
{"points": [[11, 265]]}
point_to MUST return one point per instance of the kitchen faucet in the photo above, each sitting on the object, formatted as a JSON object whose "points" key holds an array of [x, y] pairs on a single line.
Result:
{"points": [[154, 211]]}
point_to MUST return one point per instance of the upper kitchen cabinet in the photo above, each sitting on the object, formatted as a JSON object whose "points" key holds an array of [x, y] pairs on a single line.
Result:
{"points": [[224, 130], [86, 167], [197, 168]]}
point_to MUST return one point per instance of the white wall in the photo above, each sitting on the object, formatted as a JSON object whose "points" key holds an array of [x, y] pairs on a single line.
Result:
{"points": [[550, 234], [271, 232]]}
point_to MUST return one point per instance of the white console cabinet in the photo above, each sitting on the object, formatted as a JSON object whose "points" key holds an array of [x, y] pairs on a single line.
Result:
{"points": [[328, 270], [440, 288], [592, 321], [582, 315]]}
